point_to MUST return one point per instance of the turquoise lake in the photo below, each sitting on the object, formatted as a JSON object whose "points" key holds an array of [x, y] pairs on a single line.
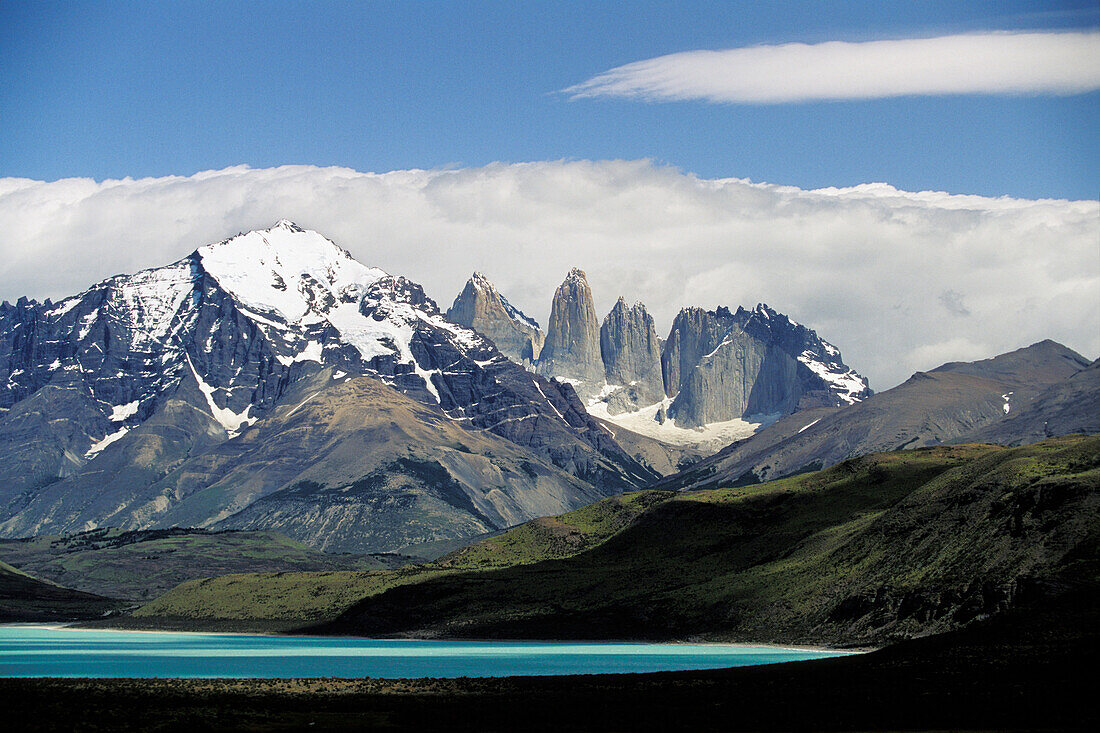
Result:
{"points": [[36, 651]]}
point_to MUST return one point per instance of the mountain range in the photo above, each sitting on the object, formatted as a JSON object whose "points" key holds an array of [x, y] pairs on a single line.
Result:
{"points": [[715, 368], [183, 394], [272, 382]]}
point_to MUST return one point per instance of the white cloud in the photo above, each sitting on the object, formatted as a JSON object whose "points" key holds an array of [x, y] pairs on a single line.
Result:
{"points": [[868, 267], [983, 63]]}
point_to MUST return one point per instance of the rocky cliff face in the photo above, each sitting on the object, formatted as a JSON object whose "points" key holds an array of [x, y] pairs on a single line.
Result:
{"points": [[572, 348], [111, 393], [481, 307], [715, 367], [720, 365], [631, 357]]}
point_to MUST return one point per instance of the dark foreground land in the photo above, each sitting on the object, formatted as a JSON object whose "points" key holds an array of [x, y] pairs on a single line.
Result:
{"points": [[1030, 669]]}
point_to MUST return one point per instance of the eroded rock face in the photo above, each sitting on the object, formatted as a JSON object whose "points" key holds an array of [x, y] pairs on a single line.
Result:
{"points": [[481, 307], [572, 348], [721, 365], [631, 357]]}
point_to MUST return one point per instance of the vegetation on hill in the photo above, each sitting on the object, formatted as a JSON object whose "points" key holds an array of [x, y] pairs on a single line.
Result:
{"points": [[883, 546]]}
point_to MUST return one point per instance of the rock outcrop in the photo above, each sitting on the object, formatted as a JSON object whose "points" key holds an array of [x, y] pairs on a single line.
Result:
{"points": [[721, 365], [481, 307], [631, 356], [572, 348]]}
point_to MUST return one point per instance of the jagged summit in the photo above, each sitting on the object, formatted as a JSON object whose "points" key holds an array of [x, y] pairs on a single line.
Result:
{"points": [[572, 349], [576, 274], [716, 367], [482, 307], [141, 373], [631, 354], [288, 225], [778, 365], [289, 271]]}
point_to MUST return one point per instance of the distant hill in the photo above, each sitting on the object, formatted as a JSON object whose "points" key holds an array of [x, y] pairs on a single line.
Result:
{"points": [[1072, 406], [143, 564], [956, 402]]}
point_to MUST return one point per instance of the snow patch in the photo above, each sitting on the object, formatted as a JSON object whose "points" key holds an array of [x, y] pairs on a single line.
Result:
{"points": [[846, 385], [98, 446], [517, 315], [302, 267], [232, 422], [121, 412], [307, 399], [714, 435], [556, 411], [809, 425]]}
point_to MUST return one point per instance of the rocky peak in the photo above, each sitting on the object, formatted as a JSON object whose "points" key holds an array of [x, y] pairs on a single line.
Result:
{"points": [[632, 358], [722, 364], [572, 348], [220, 341], [286, 271], [481, 307]]}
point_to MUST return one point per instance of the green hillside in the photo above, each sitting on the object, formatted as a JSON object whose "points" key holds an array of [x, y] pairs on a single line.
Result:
{"points": [[891, 544]]}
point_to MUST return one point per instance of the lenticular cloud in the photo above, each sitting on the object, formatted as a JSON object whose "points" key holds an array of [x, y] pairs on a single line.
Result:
{"points": [[986, 63], [899, 281]]}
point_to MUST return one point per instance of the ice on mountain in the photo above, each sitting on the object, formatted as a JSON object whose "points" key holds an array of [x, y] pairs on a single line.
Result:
{"points": [[847, 384], [233, 422], [122, 412], [99, 445]]}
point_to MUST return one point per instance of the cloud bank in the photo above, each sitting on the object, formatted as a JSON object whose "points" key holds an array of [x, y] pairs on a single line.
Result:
{"points": [[985, 63], [899, 281]]}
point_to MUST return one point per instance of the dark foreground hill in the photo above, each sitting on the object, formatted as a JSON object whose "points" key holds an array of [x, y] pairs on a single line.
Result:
{"points": [[885, 546], [23, 598], [1024, 670]]}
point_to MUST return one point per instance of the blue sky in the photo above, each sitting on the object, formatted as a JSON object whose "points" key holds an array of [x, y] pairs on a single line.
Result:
{"points": [[113, 89]]}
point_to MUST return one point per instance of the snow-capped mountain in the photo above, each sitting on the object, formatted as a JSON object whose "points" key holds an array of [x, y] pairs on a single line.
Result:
{"points": [[204, 349], [717, 377]]}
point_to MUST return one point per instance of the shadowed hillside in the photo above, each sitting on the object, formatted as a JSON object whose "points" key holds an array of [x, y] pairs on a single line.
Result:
{"points": [[23, 598], [143, 564], [875, 548]]}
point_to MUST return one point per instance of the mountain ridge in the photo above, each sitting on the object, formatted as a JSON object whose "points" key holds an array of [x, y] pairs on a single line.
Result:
{"points": [[177, 364]]}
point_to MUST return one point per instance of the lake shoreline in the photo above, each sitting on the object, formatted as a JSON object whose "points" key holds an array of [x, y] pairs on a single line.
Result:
{"points": [[817, 648], [1019, 671], [46, 651]]}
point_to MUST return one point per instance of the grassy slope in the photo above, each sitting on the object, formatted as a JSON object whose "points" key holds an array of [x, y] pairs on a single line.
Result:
{"points": [[886, 545], [143, 565], [755, 562], [288, 600]]}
